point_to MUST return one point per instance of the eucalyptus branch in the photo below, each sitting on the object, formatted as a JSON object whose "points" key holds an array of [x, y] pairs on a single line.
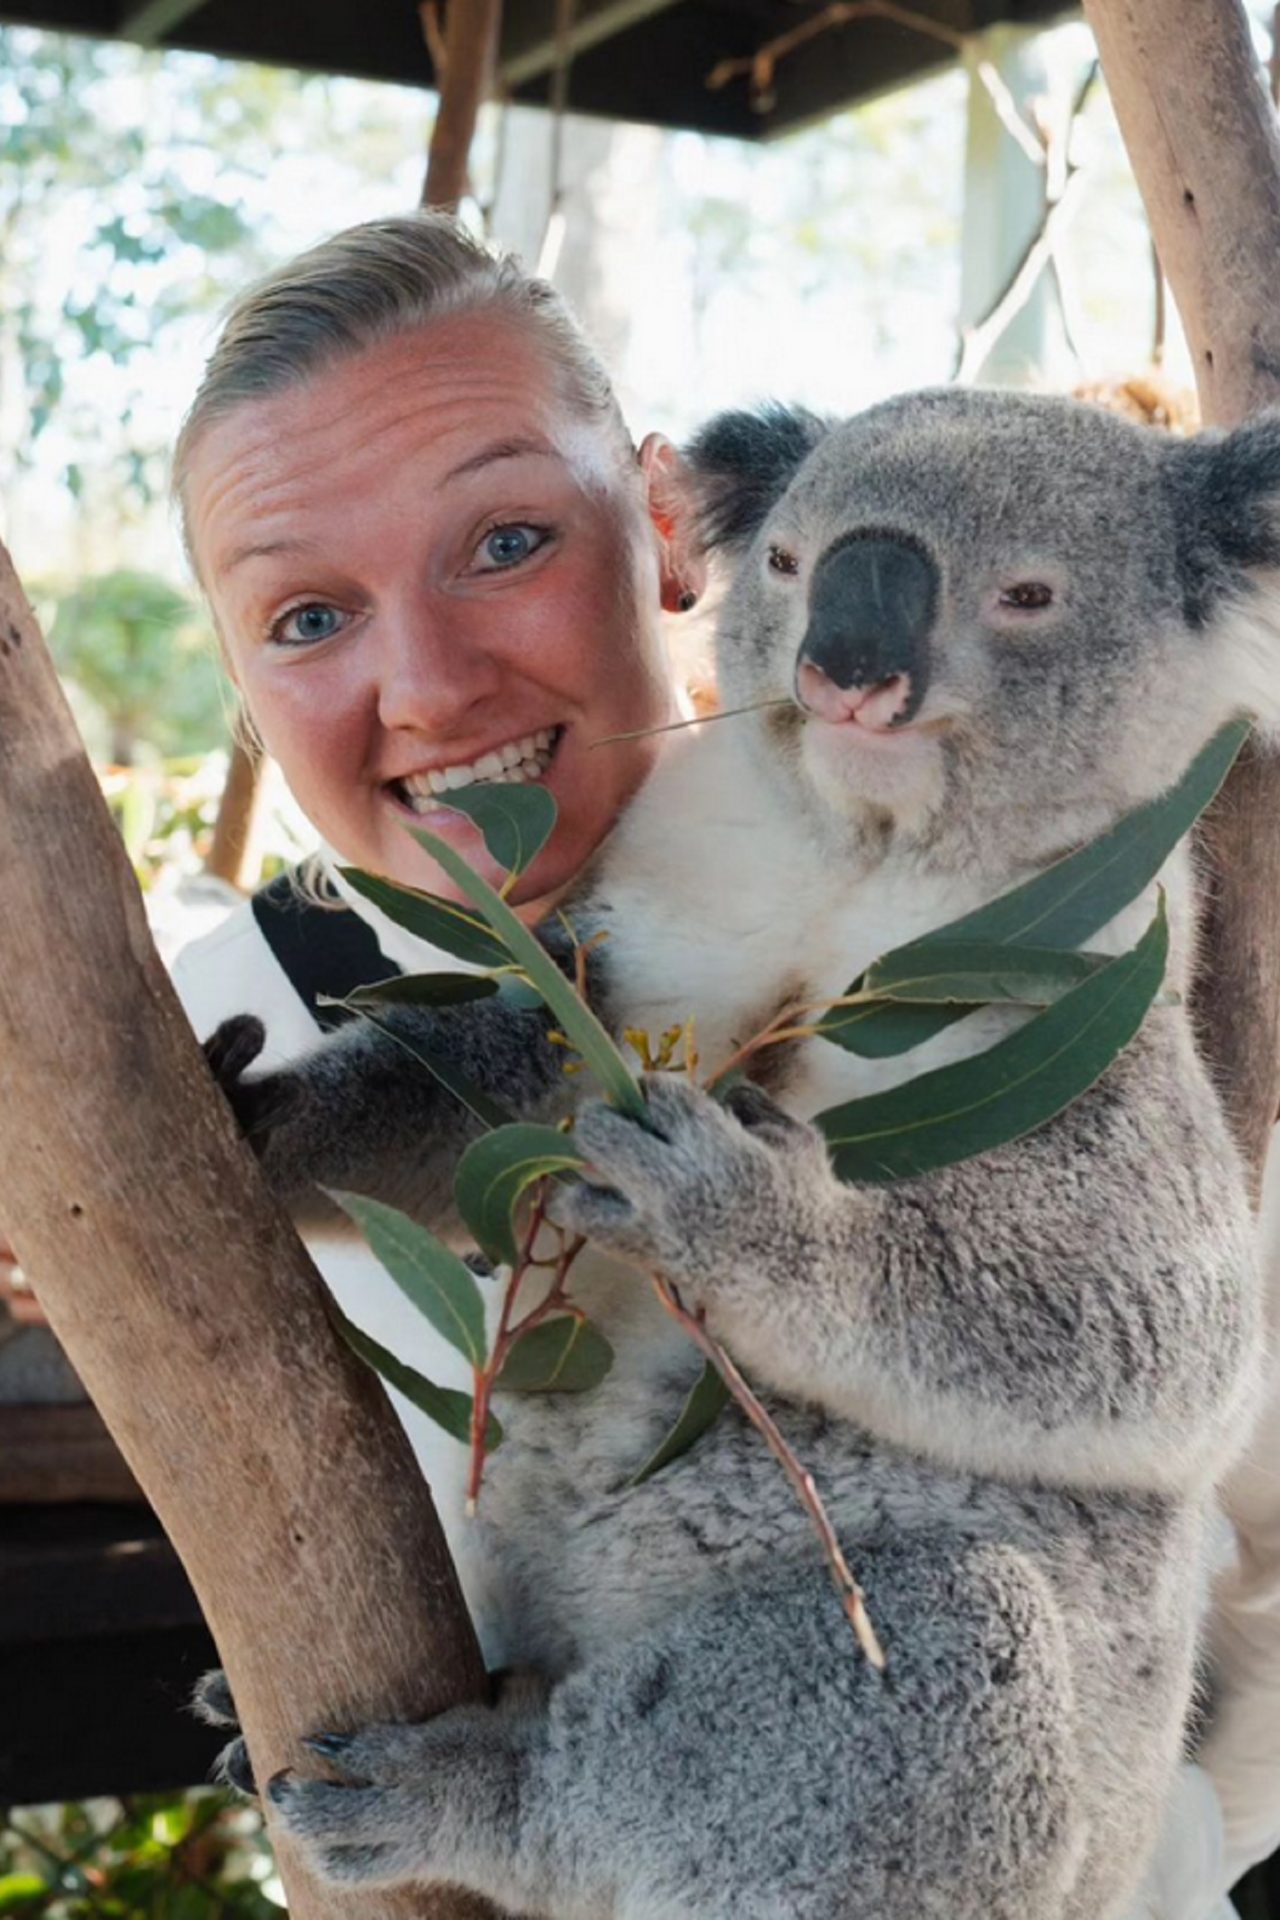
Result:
{"points": [[555, 1300], [852, 1598], [695, 720]]}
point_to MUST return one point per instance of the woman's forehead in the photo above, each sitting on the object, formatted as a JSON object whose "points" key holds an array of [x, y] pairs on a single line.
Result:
{"points": [[426, 407]]}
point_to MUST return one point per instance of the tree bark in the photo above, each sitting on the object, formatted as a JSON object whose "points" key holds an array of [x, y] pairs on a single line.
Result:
{"points": [[470, 47], [186, 1302], [1202, 137]]}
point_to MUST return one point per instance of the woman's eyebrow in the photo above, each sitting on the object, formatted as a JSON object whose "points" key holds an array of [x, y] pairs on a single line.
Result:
{"points": [[264, 549], [500, 450], [519, 449]]}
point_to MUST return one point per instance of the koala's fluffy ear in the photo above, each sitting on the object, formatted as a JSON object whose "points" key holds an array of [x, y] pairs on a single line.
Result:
{"points": [[1227, 491], [741, 463]]}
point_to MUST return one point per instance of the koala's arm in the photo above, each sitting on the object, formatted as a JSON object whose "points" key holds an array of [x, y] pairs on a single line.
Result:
{"points": [[362, 1112], [1079, 1305]]}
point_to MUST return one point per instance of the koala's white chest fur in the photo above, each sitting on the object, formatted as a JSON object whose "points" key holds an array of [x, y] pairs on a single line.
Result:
{"points": [[753, 913]]}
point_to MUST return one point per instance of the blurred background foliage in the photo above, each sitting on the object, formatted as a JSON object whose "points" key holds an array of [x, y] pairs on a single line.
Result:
{"points": [[196, 1856]]}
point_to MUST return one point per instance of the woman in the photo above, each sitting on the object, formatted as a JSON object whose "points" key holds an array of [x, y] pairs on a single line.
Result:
{"points": [[434, 557]]}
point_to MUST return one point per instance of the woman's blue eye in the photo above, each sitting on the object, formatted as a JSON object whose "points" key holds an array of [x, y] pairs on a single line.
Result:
{"points": [[306, 624], [508, 546]]}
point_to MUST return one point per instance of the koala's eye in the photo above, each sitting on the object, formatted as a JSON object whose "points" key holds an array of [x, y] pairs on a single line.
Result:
{"points": [[780, 561], [1028, 596]]}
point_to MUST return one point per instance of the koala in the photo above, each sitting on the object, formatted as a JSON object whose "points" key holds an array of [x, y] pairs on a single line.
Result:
{"points": [[992, 624]]}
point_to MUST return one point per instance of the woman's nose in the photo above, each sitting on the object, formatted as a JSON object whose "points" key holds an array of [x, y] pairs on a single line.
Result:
{"points": [[431, 672]]}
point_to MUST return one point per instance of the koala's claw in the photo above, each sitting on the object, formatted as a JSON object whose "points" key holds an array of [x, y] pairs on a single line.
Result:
{"points": [[258, 1104], [211, 1700], [761, 1115], [234, 1769], [233, 1046], [400, 1799]]}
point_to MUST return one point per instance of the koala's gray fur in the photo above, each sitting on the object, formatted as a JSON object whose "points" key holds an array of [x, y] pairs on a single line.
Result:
{"points": [[1015, 1380]]}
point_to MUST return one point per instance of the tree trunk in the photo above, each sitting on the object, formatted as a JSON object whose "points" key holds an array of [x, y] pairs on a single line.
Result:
{"points": [[1203, 140], [470, 46], [186, 1302]]}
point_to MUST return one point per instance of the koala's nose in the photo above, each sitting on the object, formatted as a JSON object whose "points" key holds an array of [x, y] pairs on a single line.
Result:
{"points": [[871, 612]]}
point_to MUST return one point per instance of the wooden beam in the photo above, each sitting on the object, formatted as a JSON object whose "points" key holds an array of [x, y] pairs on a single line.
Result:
{"points": [[1203, 139], [530, 59], [470, 44], [187, 1304]]}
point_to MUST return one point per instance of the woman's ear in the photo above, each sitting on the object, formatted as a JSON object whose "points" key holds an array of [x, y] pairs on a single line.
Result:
{"points": [[673, 511]]}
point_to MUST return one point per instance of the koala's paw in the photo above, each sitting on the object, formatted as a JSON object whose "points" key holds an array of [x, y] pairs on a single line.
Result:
{"points": [[407, 1802], [211, 1702], [700, 1188], [259, 1104]]}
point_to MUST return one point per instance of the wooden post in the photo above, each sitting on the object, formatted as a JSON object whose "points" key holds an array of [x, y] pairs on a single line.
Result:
{"points": [[469, 48], [233, 831], [1203, 141], [186, 1302]]}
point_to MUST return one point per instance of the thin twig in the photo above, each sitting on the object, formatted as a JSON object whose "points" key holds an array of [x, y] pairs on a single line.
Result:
{"points": [[556, 1299], [852, 1598], [762, 64], [978, 340], [1008, 114], [696, 720]]}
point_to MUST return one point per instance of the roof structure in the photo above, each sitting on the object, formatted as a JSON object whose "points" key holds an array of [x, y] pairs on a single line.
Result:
{"points": [[675, 63]]}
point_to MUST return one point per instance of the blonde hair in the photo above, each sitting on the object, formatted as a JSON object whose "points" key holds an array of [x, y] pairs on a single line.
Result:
{"points": [[367, 285]]}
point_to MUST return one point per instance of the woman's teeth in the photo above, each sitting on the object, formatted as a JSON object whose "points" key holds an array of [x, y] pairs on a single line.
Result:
{"points": [[526, 759]]}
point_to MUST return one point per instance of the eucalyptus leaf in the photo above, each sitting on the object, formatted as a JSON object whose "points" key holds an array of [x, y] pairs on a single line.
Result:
{"points": [[442, 923], [561, 1354], [419, 990], [1062, 907], [440, 1284], [445, 1405], [515, 818], [494, 1172], [973, 1105], [706, 1401], [978, 972], [572, 1014]]}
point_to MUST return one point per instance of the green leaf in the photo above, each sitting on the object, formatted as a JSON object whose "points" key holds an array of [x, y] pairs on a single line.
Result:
{"points": [[575, 1018], [18, 1890], [706, 1401], [1061, 907], [441, 922], [445, 1405], [978, 972], [420, 990], [559, 1355], [494, 1172], [973, 1105], [440, 1284], [516, 820]]}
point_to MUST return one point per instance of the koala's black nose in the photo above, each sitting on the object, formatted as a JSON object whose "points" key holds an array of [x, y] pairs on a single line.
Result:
{"points": [[871, 612]]}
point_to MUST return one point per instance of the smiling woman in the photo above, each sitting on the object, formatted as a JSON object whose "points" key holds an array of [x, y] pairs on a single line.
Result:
{"points": [[434, 557]]}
